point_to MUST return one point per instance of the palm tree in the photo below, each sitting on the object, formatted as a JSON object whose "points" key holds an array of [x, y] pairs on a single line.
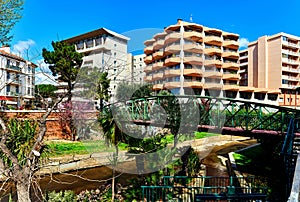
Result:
{"points": [[113, 136]]}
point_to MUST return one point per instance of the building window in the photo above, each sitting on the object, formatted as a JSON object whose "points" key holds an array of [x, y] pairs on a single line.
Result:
{"points": [[17, 89], [7, 75], [28, 91], [8, 88], [284, 38]]}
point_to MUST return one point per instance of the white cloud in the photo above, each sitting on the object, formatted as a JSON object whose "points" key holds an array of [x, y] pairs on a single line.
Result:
{"points": [[43, 74], [21, 46], [243, 42]]}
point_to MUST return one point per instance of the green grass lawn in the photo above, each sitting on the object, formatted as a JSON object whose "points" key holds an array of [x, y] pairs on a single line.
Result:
{"points": [[60, 148]]}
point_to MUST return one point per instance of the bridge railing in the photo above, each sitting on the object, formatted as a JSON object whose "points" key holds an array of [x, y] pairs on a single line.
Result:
{"points": [[210, 111], [185, 188]]}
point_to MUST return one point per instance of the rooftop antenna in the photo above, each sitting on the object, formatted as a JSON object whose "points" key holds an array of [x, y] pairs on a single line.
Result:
{"points": [[191, 18]]}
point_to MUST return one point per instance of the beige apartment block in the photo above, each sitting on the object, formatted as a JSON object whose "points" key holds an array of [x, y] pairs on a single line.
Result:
{"points": [[191, 58], [17, 81], [272, 62]]}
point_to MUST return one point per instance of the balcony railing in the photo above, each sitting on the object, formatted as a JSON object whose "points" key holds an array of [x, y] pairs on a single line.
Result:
{"points": [[172, 48], [287, 69], [231, 65], [148, 59], [12, 67], [173, 36], [231, 44], [290, 61], [158, 55], [193, 35], [158, 65], [195, 48], [231, 54], [230, 76], [172, 72], [148, 49], [158, 44]]}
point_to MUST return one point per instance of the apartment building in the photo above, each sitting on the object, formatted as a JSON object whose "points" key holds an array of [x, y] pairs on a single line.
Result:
{"points": [[106, 50], [273, 62], [136, 65], [17, 80], [189, 58]]}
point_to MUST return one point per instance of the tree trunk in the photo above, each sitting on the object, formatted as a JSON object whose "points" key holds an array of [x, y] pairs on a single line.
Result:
{"points": [[23, 189], [115, 160]]}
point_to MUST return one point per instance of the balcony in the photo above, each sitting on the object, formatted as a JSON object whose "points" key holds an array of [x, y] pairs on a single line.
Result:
{"points": [[212, 63], [158, 86], [290, 78], [160, 35], [192, 72], [290, 61], [231, 44], [288, 86], [172, 48], [148, 59], [231, 54], [158, 54], [193, 84], [172, 61], [293, 70], [172, 72], [212, 86], [292, 53], [148, 68], [157, 76], [149, 42], [231, 87], [13, 82], [148, 78], [194, 60], [148, 50], [231, 65], [13, 68], [212, 74], [214, 40], [212, 51], [231, 76], [158, 65], [289, 44], [158, 44], [170, 85], [172, 37], [195, 48], [195, 36]]}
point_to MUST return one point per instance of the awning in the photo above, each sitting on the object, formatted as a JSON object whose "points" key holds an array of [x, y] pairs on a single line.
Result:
{"points": [[5, 98]]}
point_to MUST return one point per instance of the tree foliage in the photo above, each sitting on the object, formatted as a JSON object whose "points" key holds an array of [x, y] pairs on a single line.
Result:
{"points": [[128, 91], [95, 84], [46, 90], [64, 62], [10, 14]]}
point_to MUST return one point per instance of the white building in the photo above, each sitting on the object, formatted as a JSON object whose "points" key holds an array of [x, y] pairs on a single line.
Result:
{"points": [[17, 79], [106, 50], [136, 67]]}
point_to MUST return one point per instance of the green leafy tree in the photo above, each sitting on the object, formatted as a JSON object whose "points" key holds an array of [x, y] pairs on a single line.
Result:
{"points": [[64, 62], [128, 91], [46, 90], [95, 84], [10, 14]]}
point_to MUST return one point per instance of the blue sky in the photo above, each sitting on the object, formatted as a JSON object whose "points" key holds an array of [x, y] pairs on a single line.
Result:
{"points": [[45, 21]]}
